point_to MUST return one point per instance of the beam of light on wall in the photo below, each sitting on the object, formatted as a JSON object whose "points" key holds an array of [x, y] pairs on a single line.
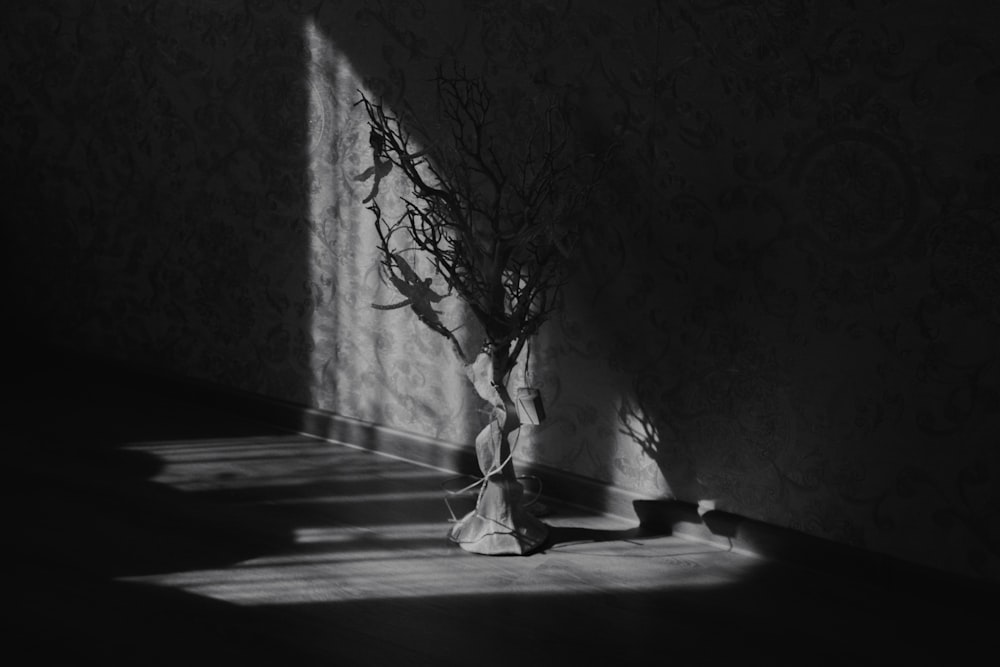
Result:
{"points": [[342, 253], [372, 365], [638, 449]]}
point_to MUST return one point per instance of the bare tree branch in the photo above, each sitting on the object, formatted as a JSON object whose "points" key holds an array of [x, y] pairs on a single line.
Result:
{"points": [[495, 216]]}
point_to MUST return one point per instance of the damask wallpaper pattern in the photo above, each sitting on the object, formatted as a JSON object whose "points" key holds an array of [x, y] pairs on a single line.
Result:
{"points": [[788, 300]]}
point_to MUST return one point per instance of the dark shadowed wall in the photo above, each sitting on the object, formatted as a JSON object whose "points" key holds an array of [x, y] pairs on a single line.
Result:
{"points": [[788, 303]]}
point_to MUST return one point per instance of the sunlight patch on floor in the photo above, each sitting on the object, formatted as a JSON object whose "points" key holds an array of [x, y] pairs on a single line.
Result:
{"points": [[341, 534], [351, 524], [374, 560], [342, 573]]}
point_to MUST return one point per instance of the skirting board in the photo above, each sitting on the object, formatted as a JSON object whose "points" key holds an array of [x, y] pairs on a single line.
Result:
{"points": [[654, 516]]}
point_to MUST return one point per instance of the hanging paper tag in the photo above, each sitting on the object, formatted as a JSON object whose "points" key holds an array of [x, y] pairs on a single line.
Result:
{"points": [[529, 406]]}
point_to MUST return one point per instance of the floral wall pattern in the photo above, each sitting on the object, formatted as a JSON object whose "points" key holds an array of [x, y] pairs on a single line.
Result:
{"points": [[788, 301]]}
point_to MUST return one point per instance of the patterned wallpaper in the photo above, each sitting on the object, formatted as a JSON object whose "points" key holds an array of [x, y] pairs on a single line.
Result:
{"points": [[788, 301]]}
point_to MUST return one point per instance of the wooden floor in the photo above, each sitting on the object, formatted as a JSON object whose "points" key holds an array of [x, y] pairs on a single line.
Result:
{"points": [[150, 531]]}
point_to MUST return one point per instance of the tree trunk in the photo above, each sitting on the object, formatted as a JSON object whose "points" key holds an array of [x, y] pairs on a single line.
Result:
{"points": [[500, 524]]}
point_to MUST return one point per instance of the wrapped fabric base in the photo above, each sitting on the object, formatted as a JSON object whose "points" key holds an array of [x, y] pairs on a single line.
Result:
{"points": [[500, 525]]}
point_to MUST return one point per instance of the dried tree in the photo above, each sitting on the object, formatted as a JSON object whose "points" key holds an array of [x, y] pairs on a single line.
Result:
{"points": [[493, 209]]}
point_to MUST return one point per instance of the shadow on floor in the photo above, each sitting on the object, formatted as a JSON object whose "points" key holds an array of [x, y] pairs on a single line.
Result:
{"points": [[349, 565]]}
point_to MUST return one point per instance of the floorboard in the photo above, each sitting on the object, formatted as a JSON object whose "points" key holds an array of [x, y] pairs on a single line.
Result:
{"points": [[149, 530]]}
